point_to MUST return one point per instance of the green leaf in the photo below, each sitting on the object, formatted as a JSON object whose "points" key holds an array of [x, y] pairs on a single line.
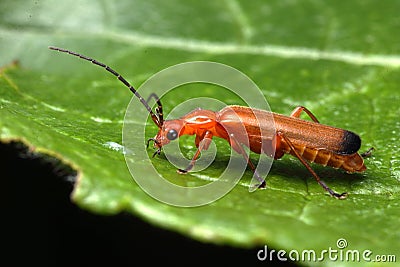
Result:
{"points": [[339, 59]]}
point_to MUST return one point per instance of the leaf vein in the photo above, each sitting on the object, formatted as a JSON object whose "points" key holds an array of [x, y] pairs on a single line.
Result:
{"points": [[196, 45]]}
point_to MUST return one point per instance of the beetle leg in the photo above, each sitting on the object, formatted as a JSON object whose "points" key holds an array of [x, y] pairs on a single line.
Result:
{"points": [[297, 111], [307, 165], [367, 153], [204, 144], [239, 149]]}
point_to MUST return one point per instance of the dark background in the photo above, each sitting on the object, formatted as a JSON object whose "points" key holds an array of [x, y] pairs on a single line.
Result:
{"points": [[41, 225]]}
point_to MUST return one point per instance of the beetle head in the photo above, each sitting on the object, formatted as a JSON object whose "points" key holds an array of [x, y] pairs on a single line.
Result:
{"points": [[169, 131]]}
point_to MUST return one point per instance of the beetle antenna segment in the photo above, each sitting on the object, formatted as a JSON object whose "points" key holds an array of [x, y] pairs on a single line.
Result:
{"points": [[158, 121]]}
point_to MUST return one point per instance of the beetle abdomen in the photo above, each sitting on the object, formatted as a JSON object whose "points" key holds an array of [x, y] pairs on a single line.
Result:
{"points": [[350, 163]]}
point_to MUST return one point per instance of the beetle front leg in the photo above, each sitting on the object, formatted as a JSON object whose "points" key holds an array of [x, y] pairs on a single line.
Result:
{"points": [[203, 145]]}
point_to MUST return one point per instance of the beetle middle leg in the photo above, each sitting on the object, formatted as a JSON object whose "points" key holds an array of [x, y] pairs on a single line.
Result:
{"points": [[298, 110], [239, 148]]}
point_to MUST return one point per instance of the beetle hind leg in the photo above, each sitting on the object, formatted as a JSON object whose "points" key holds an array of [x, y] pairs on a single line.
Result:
{"points": [[307, 165], [367, 153]]}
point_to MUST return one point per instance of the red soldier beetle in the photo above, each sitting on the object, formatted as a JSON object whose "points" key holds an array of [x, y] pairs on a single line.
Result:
{"points": [[308, 141]]}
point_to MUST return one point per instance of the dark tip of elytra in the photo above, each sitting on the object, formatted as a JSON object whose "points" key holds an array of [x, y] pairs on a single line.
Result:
{"points": [[351, 143]]}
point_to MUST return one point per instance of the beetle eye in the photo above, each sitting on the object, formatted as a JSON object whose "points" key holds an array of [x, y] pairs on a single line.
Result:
{"points": [[172, 134]]}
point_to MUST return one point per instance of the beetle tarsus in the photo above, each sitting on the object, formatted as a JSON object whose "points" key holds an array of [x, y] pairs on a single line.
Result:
{"points": [[263, 185], [367, 153], [339, 196], [181, 171]]}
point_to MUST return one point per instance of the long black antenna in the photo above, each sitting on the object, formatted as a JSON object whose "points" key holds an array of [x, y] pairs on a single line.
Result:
{"points": [[157, 121]]}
